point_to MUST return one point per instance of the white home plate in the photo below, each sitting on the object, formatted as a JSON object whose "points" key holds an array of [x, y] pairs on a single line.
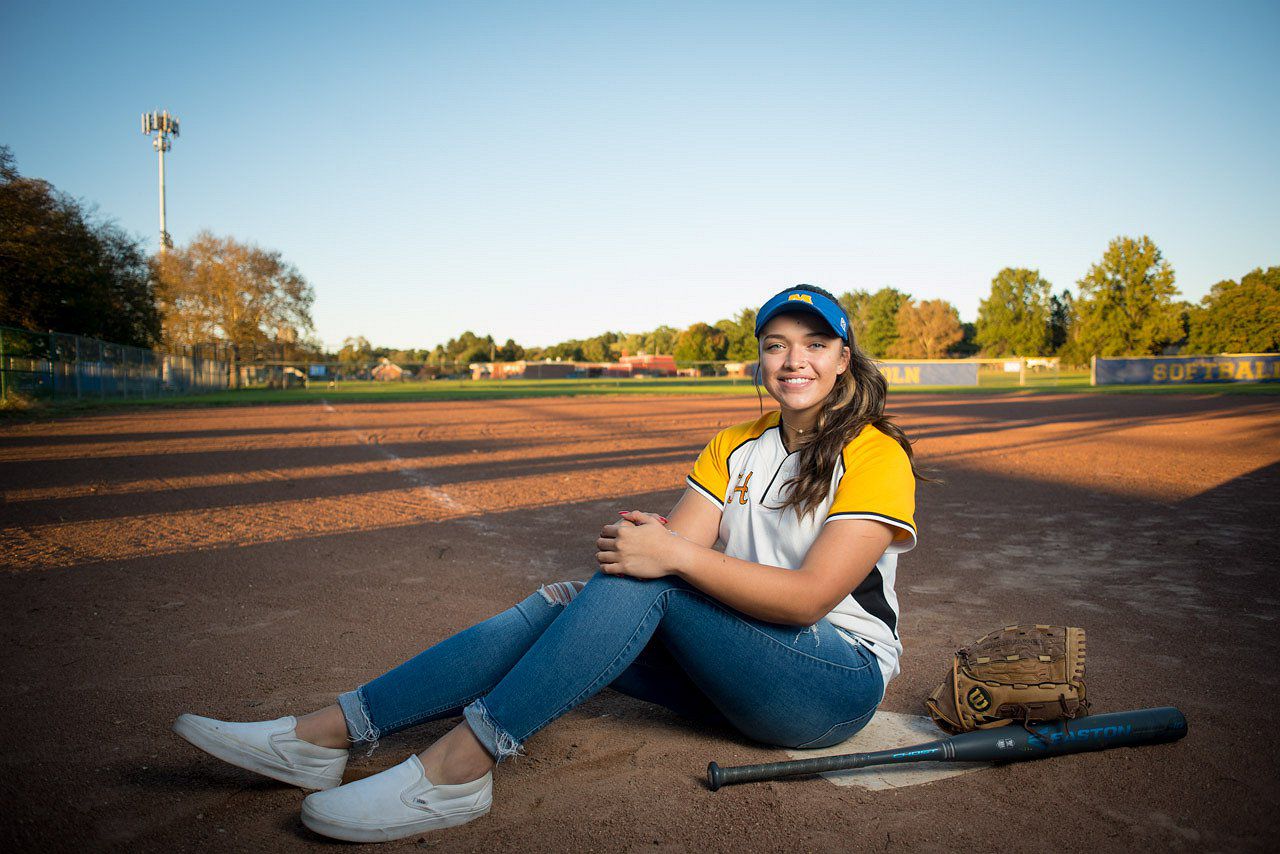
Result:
{"points": [[886, 730]]}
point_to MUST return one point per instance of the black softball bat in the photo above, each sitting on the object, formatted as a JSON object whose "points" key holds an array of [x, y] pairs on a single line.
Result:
{"points": [[1010, 743]]}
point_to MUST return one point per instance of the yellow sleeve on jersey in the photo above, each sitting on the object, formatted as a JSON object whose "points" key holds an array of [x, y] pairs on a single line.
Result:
{"points": [[878, 484], [710, 475]]}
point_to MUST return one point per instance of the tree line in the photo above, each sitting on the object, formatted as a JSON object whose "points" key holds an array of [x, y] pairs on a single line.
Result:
{"points": [[64, 267], [1125, 305]]}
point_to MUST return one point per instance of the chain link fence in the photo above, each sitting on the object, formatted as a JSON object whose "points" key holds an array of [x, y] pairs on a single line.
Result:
{"points": [[59, 366]]}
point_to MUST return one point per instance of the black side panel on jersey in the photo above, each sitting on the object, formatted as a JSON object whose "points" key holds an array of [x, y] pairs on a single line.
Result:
{"points": [[870, 596]]}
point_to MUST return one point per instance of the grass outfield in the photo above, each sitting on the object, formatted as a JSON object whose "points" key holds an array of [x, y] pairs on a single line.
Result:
{"points": [[358, 391]]}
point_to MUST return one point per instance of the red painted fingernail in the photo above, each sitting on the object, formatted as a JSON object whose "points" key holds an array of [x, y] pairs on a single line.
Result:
{"points": [[664, 519]]}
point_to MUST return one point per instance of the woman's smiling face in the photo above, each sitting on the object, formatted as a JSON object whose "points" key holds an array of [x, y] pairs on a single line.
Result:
{"points": [[800, 358]]}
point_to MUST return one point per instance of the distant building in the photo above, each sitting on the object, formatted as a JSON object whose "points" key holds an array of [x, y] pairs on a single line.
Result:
{"points": [[645, 365], [526, 370], [546, 370]]}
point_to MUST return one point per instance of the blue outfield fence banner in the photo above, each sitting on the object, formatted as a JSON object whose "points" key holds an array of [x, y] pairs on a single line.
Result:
{"points": [[946, 372], [1182, 370]]}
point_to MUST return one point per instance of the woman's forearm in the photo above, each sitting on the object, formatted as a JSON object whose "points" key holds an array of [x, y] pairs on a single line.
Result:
{"points": [[837, 562], [768, 593]]}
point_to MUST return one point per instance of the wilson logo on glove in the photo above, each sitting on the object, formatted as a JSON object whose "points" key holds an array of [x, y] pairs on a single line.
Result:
{"points": [[1019, 673], [979, 699]]}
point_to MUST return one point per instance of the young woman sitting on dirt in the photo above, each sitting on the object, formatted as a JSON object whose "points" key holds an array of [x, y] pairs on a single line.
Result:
{"points": [[787, 631]]}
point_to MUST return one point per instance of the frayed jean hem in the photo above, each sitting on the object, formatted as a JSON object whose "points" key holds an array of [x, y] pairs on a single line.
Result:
{"points": [[360, 728], [493, 737]]}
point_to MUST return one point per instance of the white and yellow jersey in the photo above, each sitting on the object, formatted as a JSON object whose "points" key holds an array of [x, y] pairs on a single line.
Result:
{"points": [[744, 470]]}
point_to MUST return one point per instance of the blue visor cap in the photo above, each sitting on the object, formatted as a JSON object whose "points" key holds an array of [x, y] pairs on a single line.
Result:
{"points": [[797, 300]]}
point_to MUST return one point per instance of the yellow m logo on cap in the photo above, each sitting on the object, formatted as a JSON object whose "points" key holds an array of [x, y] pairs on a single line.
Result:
{"points": [[801, 298]]}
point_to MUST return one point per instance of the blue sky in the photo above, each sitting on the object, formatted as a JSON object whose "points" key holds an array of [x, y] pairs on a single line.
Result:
{"points": [[544, 170]]}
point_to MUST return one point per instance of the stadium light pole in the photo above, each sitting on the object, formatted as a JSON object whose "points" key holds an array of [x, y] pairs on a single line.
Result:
{"points": [[163, 126]]}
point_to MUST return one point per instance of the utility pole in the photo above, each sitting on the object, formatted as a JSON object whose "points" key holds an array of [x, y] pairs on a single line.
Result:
{"points": [[163, 126]]}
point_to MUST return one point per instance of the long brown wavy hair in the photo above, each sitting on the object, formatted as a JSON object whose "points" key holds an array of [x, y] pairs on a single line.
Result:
{"points": [[856, 401]]}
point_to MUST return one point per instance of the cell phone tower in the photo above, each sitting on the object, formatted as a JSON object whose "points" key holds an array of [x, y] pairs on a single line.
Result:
{"points": [[163, 126]]}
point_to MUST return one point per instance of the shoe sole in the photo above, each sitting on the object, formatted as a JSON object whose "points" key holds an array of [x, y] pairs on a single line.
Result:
{"points": [[234, 754], [336, 829]]}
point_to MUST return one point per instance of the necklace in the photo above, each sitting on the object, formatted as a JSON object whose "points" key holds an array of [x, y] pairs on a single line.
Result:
{"points": [[785, 427]]}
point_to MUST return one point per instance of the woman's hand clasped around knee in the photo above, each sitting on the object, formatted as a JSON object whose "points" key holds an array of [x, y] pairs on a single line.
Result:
{"points": [[639, 546]]}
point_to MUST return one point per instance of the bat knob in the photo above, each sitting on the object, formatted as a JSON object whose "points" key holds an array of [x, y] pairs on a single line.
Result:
{"points": [[713, 776]]}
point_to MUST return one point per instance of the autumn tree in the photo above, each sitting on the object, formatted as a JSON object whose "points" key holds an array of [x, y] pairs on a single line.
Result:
{"points": [[1125, 306], [1015, 320], [878, 318], [356, 353], [219, 289], [926, 329], [1238, 317], [63, 268]]}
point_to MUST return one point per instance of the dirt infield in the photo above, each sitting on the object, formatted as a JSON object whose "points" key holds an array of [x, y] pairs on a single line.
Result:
{"points": [[253, 562]]}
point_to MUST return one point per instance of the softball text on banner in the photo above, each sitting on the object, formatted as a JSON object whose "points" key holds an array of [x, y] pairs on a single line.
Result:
{"points": [[929, 373], [1170, 370]]}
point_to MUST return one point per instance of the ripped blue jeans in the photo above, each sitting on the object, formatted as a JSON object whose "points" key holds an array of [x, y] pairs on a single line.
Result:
{"points": [[661, 640]]}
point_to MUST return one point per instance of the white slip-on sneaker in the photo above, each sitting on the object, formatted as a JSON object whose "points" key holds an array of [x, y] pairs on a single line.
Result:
{"points": [[269, 748], [395, 803]]}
